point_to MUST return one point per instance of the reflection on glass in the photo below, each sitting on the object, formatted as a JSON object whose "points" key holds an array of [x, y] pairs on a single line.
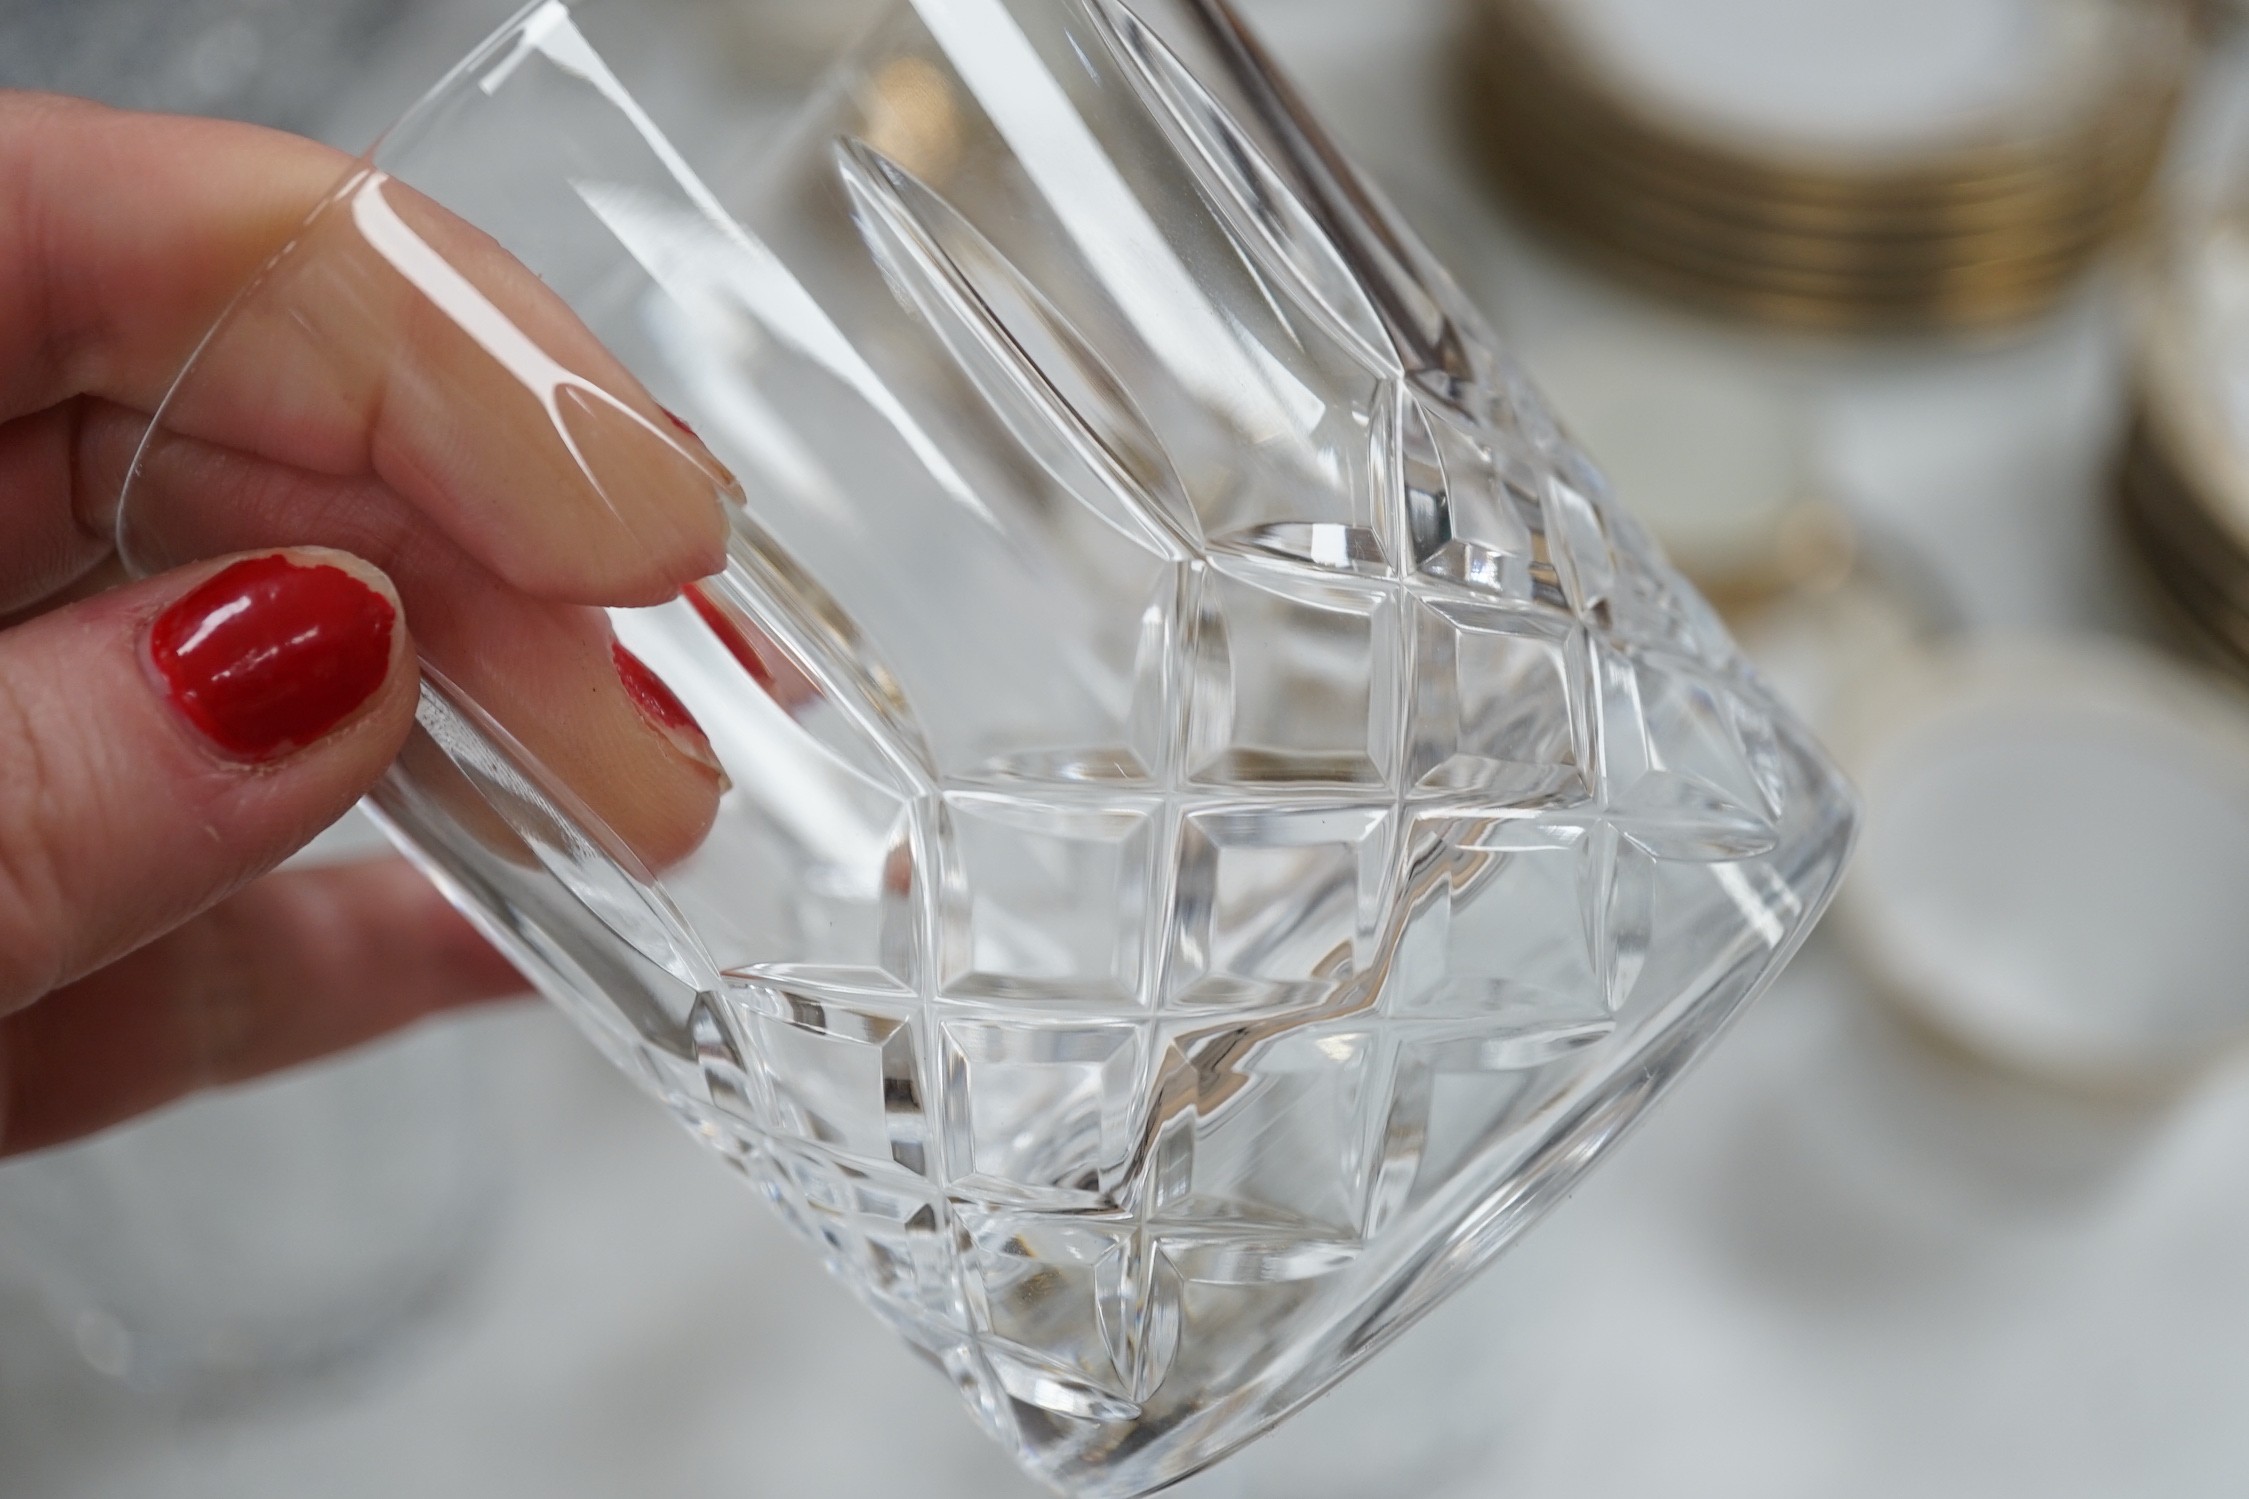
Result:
{"points": [[1212, 815]]}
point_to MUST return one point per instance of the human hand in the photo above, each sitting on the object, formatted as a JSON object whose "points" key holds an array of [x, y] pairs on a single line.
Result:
{"points": [[163, 744]]}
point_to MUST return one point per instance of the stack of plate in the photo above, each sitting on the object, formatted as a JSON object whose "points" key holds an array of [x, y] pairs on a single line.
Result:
{"points": [[2184, 484], [1911, 166]]}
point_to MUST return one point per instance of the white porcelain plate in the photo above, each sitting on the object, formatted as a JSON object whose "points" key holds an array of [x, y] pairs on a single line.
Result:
{"points": [[2055, 871]]}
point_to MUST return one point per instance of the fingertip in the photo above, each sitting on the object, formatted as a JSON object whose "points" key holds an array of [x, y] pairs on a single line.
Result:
{"points": [[658, 494], [623, 569]]}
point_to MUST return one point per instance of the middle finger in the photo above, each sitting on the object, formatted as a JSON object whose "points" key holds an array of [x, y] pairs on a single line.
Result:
{"points": [[44, 546]]}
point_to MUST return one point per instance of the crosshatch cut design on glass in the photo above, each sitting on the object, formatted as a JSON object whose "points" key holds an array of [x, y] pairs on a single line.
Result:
{"points": [[1225, 817]]}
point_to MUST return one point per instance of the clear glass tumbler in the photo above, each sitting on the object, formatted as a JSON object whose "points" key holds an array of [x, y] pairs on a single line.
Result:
{"points": [[1193, 815]]}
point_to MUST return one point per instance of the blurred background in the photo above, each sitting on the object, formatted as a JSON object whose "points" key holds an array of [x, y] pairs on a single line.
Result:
{"points": [[1919, 331]]}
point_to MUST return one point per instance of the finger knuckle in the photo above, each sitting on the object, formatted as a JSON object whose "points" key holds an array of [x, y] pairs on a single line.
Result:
{"points": [[220, 1000], [32, 897]]}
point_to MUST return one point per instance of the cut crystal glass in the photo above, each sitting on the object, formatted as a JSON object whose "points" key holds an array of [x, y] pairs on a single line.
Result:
{"points": [[1223, 817]]}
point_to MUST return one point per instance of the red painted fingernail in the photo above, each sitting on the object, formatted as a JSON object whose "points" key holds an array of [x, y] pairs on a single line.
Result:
{"points": [[272, 654], [662, 708], [726, 475]]}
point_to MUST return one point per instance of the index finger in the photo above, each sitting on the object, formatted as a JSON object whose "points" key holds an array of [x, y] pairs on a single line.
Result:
{"points": [[389, 339]]}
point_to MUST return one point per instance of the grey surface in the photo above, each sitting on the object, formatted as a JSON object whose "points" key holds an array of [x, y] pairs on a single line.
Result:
{"points": [[277, 62]]}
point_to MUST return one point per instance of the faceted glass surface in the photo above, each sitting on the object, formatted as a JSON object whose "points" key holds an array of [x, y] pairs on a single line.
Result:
{"points": [[1225, 818]]}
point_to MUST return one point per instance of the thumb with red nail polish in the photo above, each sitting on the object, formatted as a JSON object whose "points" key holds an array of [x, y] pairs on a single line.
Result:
{"points": [[273, 653], [173, 740]]}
